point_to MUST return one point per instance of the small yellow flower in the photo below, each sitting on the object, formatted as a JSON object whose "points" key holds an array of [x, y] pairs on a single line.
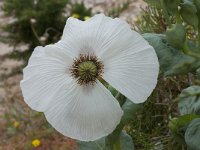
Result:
{"points": [[36, 142], [76, 16], [16, 124], [86, 18]]}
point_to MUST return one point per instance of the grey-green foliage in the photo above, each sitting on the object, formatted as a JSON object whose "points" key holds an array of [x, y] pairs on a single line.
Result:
{"points": [[171, 60], [176, 35], [189, 13], [197, 4], [178, 126], [189, 101], [125, 140], [192, 135]]}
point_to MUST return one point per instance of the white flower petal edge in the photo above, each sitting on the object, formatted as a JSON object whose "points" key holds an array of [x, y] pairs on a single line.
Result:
{"points": [[88, 113], [94, 35], [46, 71], [133, 69], [84, 113], [131, 64]]}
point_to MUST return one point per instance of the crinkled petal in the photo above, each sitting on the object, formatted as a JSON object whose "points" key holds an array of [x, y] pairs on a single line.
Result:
{"points": [[93, 36], [132, 68], [47, 70], [131, 64], [84, 113]]}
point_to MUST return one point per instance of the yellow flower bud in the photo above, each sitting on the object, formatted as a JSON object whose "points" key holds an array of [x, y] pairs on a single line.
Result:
{"points": [[86, 18], [76, 16], [16, 124], [36, 142]]}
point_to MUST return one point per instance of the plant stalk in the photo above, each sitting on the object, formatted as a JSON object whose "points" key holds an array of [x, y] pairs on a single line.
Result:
{"points": [[35, 34], [117, 145], [178, 18]]}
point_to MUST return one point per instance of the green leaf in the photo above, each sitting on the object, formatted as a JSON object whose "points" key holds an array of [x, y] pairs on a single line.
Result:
{"points": [[176, 35], [189, 13], [192, 135], [172, 5], [189, 101], [125, 142], [197, 4], [172, 61], [179, 125]]}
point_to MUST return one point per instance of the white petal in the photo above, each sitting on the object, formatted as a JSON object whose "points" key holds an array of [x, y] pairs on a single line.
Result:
{"points": [[94, 36], [132, 68], [84, 113], [47, 70]]}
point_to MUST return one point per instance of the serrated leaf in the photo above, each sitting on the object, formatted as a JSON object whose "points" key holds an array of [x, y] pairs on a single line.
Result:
{"points": [[171, 60], [189, 101], [192, 135]]}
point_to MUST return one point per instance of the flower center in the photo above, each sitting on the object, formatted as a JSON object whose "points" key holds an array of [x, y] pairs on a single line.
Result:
{"points": [[86, 69]]}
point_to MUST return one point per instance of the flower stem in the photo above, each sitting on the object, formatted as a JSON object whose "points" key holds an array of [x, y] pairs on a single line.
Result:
{"points": [[178, 18], [117, 145], [117, 95], [35, 33]]}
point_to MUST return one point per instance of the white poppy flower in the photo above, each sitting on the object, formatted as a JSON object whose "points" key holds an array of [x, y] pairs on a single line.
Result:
{"points": [[62, 80]]}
